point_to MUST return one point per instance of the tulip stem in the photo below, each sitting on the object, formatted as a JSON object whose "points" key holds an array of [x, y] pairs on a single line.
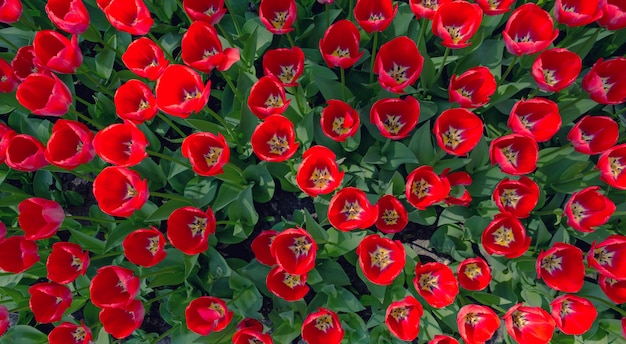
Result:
{"points": [[423, 26], [233, 18], [166, 333], [85, 118], [170, 196], [156, 41], [83, 101], [89, 218], [343, 84], [508, 69], [374, 46], [8, 42], [327, 10], [232, 86], [171, 124], [350, 10], [290, 39], [166, 157], [223, 122], [443, 64]]}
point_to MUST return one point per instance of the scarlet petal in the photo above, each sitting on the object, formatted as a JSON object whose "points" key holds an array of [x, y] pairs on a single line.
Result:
{"points": [[322, 327], [516, 154], [113, 286], [120, 191], [145, 247], [68, 15], [274, 139], [180, 91], [340, 44], [527, 324], [188, 229], [207, 152], [25, 153], [70, 144], [594, 134], [207, 314], [135, 102], [132, 16], [267, 97], [381, 259], [285, 64], [384, 10], [425, 188], [70, 333], [395, 117], [285, 285], [44, 95], [17, 254], [456, 22], [278, 15], [606, 81], [403, 318], [458, 131], [436, 283], [505, 236], [49, 301], [40, 218], [529, 30], [538, 118], [120, 322], [474, 274], [144, 58], [573, 314], [350, 209], [121, 144], [294, 250], [261, 247], [318, 174], [66, 262], [392, 216], [398, 64], [207, 11]]}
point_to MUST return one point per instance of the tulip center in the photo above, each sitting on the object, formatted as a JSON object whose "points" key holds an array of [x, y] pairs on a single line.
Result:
{"points": [[455, 33], [566, 308], [198, 226], [549, 77], [552, 263], [586, 136], [578, 212], [526, 122], [431, 4], [59, 300], [376, 17], [611, 281], [510, 155], [519, 319], [341, 53], [153, 63], [153, 245], [471, 319], [301, 246], [390, 216], [121, 285], [606, 86], [420, 188], [210, 11], [192, 95], [569, 9], [79, 334], [503, 236], [352, 210], [321, 177], [278, 144], [381, 258], [279, 19], [616, 166], [524, 39], [493, 4], [603, 256], [286, 74], [465, 93], [393, 125], [4, 78], [130, 192], [143, 104], [510, 198], [428, 281], [217, 307], [274, 101], [472, 271], [291, 281], [338, 127], [77, 263], [324, 322], [452, 137], [398, 73], [213, 156], [400, 313], [208, 53]]}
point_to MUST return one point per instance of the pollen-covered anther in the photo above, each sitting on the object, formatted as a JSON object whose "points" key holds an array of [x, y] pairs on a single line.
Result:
{"points": [[455, 33], [381, 257], [274, 101], [471, 319], [153, 245], [510, 198], [519, 319], [213, 155], [510, 155], [198, 226], [552, 263], [77, 263], [472, 271], [393, 124], [192, 95], [79, 334], [279, 19], [420, 188], [208, 53], [340, 52], [286, 74], [400, 313], [352, 210], [549, 77], [390, 216], [217, 307], [301, 246], [428, 282], [503, 236], [616, 166], [338, 127], [578, 212], [324, 323], [321, 177], [130, 192], [291, 281], [398, 73], [376, 17], [278, 144], [452, 137], [603, 256]]}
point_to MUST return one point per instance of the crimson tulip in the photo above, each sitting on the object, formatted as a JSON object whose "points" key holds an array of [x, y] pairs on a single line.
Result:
{"points": [[458, 131], [207, 314], [606, 81], [48, 301], [556, 69], [477, 323], [286, 64], [261, 247], [516, 154], [561, 267], [517, 197], [121, 144], [25, 153], [207, 152], [39, 218], [594, 134], [395, 117], [113, 286], [145, 58], [318, 174], [374, 15], [505, 236], [473, 88], [17, 254], [250, 323], [574, 315], [381, 259], [69, 333], [474, 274], [120, 191], [10, 11], [66, 262], [610, 165], [425, 188], [614, 15], [322, 327], [145, 247], [44, 95], [247, 335], [392, 217], [403, 318], [210, 12], [443, 339], [70, 16], [528, 324], [135, 102], [578, 12], [426, 8], [398, 64], [458, 180], [435, 282], [538, 118], [188, 229], [180, 91], [202, 49], [70, 144], [278, 15], [494, 8], [613, 289], [294, 250], [56, 52], [6, 133], [24, 63], [274, 139], [267, 97], [5, 320], [285, 285], [339, 120], [609, 257], [456, 23], [132, 16], [350, 209], [340, 44], [588, 208], [8, 80], [529, 30], [121, 321]]}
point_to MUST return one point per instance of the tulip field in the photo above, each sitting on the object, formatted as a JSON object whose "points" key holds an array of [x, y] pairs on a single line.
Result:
{"points": [[312, 171]]}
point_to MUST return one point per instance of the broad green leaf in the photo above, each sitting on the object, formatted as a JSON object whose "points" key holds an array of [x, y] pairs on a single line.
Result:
{"points": [[263, 188], [87, 241], [164, 211], [106, 58], [23, 334], [422, 145]]}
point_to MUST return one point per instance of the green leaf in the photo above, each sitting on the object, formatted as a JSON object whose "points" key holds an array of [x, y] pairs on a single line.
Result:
{"points": [[201, 190], [263, 188], [243, 210], [88, 242], [422, 145], [106, 58], [340, 242], [170, 271], [315, 229], [332, 272], [341, 300], [398, 154], [24, 335], [118, 234], [164, 211]]}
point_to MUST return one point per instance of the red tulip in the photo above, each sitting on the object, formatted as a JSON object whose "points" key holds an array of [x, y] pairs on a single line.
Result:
{"points": [[538, 118], [527, 324], [403, 318], [113, 286], [48, 301], [339, 120], [267, 97], [202, 49], [120, 191], [180, 91], [207, 314], [395, 117], [135, 102], [120, 322], [286, 64], [24, 153], [606, 81], [456, 23], [495, 7], [340, 44], [374, 15], [70, 144], [207, 11], [25, 63], [458, 195], [610, 165], [516, 154], [426, 8], [614, 15], [561, 267], [435, 282], [39, 218], [392, 217], [144, 58], [70, 16], [132, 16], [285, 285], [56, 52], [529, 30], [398, 64], [477, 323], [8, 80], [10, 11], [17, 254], [517, 197], [294, 250], [70, 333], [207, 152], [594, 134], [458, 131], [573, 314], [425, 188], [250, 323], [247, 336], [278, 15], [556, 69], [443, 339], [613, 289], [66, 262], [44, 95], [588, 208], [578, 12], [505, 236], [474, 274], [473, 88], [121, 144], [144, 247], [188, 229], [274, 139], [318, 174], [322, 327], [5, 320], [6, 134], [261, 247], [609, 257], [350, 209], [381, 259]]}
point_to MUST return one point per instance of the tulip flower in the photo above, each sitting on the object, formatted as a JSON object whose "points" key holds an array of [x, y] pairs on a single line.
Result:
{"points": [[425, 188], [6, 133], [188, 229], [70, 16], [207, 314], [435, 282], [611, 164], [180, 91], [250, 323], [398, 64], [121, 144], [66, 262], [494, 8], [561, 267], [477, 323], [574, 315], [24, 63], [505, 236], [274, 139], [144, 58], [517, 197], [443, 339], [286, 64], [70, 144], [426, 8], [120, 191], [246, 336], [556, 69], [201, 49], [458, 180], [613, 289], [456, 23], [350, 209], [10, 11], [44, 95], [594, 134], [113, 286], [381, 259], [529, 30], [613, 15], [474, 274], [538, 118], [261, 247], [207, 152], [578, 12], [56, 52], [318, 174], [210, 12], [144, 247], [588, 208], [278, 15], [5, 321], [606, 81], [17, 254], [340, 44], [403, 318], [8, 80], [135, 102], [68, 332], [39, 218], [609, 257], [48, 301], [458, 131], [516, 154], [132, 16], [527, 324], [25, 153], [120, 322], [395, 117], [267, 97], [285, 285], [294, 250], [322, 327], [392, 217], [473, 88], [374, 15], [339, 120]]}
